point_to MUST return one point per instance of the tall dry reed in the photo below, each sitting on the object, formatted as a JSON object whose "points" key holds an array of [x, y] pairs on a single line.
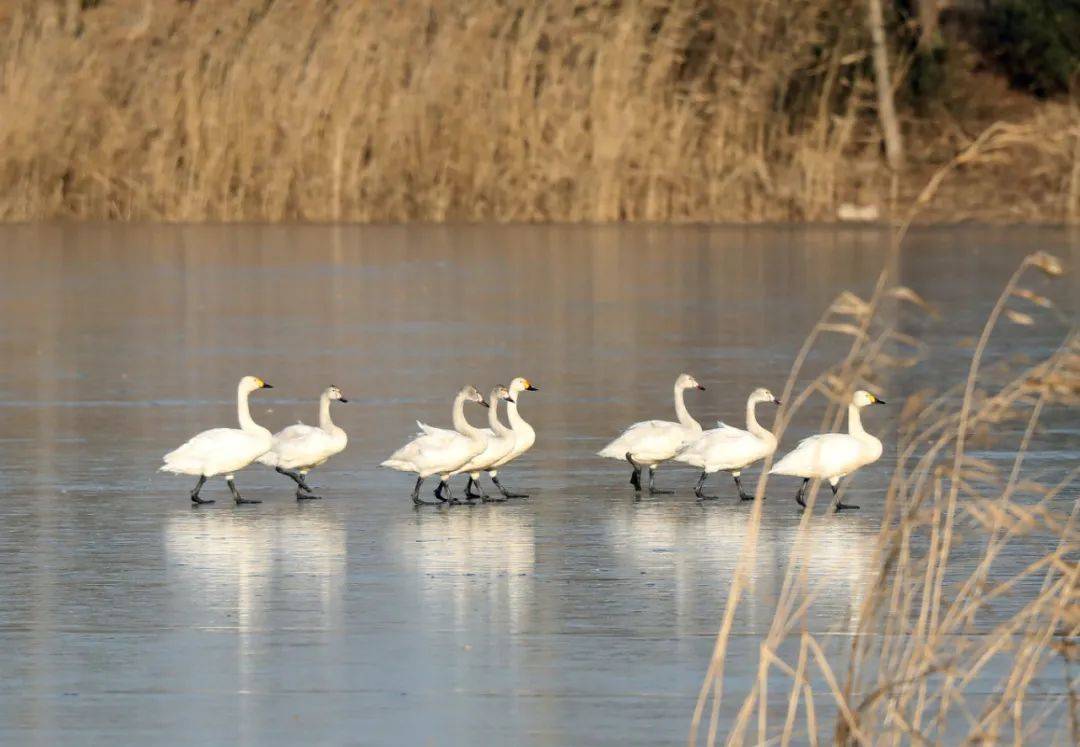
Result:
{"points": [[571, 110], [928, 635]]}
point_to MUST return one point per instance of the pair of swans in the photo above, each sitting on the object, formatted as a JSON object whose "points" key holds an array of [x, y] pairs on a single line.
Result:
{"points": [[293, 451], [830, 456], [466, 449]]}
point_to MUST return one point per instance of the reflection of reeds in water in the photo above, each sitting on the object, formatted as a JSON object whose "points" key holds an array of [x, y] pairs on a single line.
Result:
{"points": [[469, 556], [925, 631]]}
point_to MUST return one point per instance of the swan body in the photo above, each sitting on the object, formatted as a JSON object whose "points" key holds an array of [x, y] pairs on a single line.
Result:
{"points": [[439, 451], [653, 441], [833, 456], [223, 451], [731, 449], [299, 448]]}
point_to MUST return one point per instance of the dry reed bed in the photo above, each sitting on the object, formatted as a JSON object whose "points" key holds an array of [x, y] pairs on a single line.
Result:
{"points": [[927, 630], [472, 110]]}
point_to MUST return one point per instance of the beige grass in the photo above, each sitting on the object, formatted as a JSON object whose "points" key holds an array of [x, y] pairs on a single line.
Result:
{"points": [[915, 652], [582, 110]]}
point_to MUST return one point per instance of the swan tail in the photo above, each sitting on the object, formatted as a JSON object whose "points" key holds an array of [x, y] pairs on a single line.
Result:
{"points": [[398, 465]]}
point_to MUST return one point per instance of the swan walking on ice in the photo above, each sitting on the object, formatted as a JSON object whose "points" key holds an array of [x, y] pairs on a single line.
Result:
{"points": [[300, 448], [653, 441], [438, 451], [524, 435], [832, 456], [223, 451], [500, 441], [731, 449]]}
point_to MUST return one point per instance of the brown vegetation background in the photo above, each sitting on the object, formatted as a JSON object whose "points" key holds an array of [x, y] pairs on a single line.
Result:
{"points": [[476, 110]]}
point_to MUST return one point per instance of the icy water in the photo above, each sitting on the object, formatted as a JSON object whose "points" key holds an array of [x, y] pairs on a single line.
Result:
{"points": [[578, 616]]}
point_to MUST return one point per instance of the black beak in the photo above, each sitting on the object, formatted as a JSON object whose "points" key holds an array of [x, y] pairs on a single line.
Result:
{"points": [[699, 386], [342, 399], [880, 402], [510, 399], [776, 401], [485, 404], [531, 388], [267, 386]]}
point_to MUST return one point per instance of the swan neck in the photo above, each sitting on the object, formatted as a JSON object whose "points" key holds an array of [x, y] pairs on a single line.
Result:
{"points": [[493, 416], [752, 424], [324, 414], [243, 412], [854, 422], [681, 411], [461, 425], [517, 423]]}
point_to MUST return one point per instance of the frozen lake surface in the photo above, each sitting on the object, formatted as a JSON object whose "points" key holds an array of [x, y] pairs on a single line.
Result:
{"points": [[579, 616]]}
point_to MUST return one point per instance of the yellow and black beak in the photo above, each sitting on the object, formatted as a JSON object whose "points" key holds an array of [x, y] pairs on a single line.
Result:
{"points": [[531, 388], [699, 386], [342, 399], [264, 385], [879, 401], [776, 401], [483, 402]]}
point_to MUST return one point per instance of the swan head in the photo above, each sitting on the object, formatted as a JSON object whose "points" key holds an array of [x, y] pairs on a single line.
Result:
{"points": [[686, 381], [521, 384], [251, 383], [862, 398], [500, 392], [761, 394], [472, 394], [333, 393]]}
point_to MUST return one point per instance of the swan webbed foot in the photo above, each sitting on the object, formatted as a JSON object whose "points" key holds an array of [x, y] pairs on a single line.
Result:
{"points": [[195, 492], [246, 501], [196, 500], [302, 496], [653, 490], [745, 496], [239, 499], [841, 506], [506, 493], [702, 497], [470, 493]]}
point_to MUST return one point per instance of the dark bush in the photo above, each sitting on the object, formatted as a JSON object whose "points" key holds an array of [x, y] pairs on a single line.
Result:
{"points": [[1035, 42]]}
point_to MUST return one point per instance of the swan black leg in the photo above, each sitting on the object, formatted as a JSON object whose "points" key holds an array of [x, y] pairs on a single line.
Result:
{"points": [[840, 506], [635, 476], [654, 490], [236, 493], [800, 496], [743, 495], [295, 477], [302, 496], [506, 493], [195, 493], [482, 494], [416, 499], [700, 484], [478, 493]]}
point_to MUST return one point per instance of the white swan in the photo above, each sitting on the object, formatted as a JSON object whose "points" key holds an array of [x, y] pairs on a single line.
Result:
{"points": [[300, 448], [832, 456], [731, 449], [653, 441], [223, 451], [437, 451], [524, 435], [499, 442]]}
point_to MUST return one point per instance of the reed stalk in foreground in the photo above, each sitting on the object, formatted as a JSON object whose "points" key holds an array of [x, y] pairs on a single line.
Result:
{"points": [[927, 630]]}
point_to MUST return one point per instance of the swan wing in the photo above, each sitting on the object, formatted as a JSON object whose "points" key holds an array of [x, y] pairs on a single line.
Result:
{"points": [[650, 440], [824, 455], [216, 451]]}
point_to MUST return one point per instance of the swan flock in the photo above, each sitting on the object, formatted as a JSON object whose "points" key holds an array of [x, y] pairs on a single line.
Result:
{"points": [[465, 449]]}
